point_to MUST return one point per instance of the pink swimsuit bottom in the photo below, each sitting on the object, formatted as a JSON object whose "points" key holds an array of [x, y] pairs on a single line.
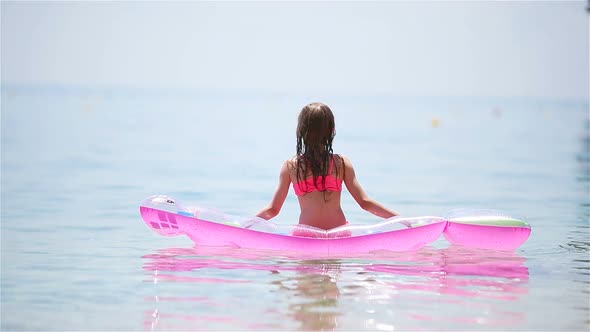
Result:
{"points": [[303, 231]]}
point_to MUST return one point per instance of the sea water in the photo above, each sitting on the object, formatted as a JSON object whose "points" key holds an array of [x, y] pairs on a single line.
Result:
{"points": [[76, 164]]}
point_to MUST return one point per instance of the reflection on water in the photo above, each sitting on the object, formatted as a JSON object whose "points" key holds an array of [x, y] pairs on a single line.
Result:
{"points": [[316, 294], [319, 292]]}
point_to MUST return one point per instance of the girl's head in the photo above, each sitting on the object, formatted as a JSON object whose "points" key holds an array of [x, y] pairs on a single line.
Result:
{"points": [[315, 131]]}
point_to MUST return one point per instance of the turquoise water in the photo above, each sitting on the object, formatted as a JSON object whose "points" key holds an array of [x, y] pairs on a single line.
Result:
{"points": [[76, 255]]}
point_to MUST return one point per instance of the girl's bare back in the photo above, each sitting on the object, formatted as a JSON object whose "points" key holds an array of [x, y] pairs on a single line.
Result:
{"points": [[320, 209]]}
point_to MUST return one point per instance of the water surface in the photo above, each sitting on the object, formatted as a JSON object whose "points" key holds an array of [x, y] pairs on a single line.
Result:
{"points": [[76, 256]]}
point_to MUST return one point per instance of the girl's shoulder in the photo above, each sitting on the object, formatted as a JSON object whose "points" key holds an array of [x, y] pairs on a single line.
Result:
{"points": [[342, 158], [291, 162], [344, 162]]}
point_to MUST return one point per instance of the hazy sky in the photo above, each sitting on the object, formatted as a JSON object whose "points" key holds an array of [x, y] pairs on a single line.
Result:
{"points": [[399, 48]]}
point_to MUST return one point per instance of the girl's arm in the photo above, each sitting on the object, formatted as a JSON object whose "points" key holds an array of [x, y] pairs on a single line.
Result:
{"points": [[359, 195], [280, 195]]}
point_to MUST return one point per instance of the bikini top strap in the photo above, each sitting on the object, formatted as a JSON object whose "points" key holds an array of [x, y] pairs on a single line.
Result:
{"points": [[331, 165]]}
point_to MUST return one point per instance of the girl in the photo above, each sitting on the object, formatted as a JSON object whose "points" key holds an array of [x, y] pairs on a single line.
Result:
{"points": [[317, 175]]}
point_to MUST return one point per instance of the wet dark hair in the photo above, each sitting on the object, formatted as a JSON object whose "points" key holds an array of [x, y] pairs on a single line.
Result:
{"points": [[315, 133]]}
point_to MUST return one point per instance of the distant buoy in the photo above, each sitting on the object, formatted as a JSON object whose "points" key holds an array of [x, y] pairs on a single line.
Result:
{"points": [[435, 122]]}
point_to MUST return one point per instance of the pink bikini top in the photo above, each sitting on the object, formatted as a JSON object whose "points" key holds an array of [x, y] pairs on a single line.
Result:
{"points": [[306, 186]]}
